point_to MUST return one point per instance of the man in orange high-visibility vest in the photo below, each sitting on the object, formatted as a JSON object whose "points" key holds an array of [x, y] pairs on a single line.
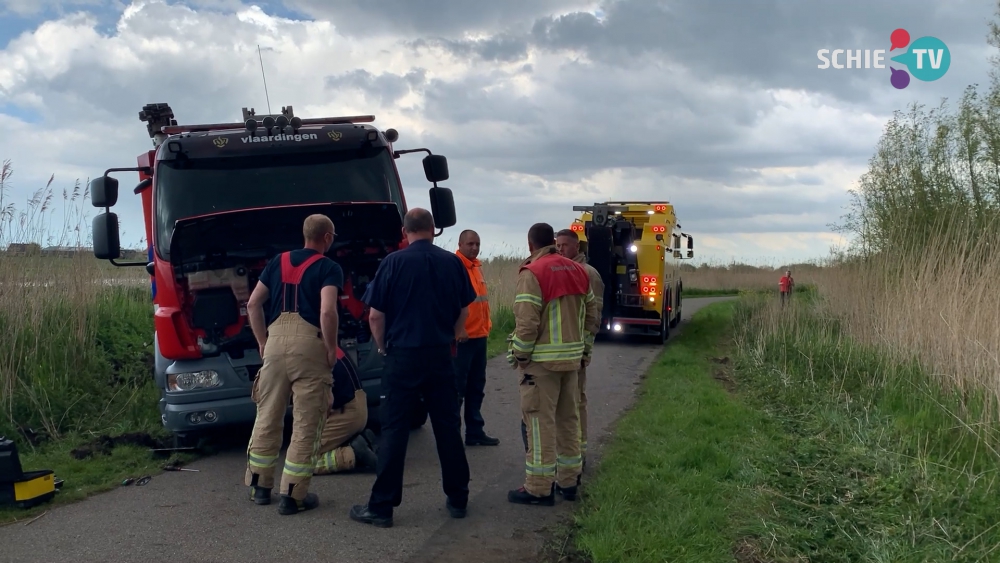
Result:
{"points": [[470, 360]]}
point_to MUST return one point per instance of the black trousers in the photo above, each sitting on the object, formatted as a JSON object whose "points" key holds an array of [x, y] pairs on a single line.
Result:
{"points": [[410, 373], [470, 377]]}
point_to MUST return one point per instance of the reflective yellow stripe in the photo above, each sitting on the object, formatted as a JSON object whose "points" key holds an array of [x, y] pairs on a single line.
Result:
{"points": [[555, 322], [262, 461], [528, 298], [536, 442], [298, 469], [327, 461], [521, 346], [557, 352], [570, 462], [539, 470]]}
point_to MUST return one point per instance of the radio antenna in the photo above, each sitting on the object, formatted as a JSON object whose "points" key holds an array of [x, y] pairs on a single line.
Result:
{"points": [[266, 97]]}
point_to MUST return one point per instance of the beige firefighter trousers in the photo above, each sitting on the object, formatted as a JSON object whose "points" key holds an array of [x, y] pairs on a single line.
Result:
{"points": [[549, 407], [296, 366], [335, 451]]}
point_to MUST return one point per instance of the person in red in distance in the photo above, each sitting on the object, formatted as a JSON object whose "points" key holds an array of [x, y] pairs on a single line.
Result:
{"points": [[786, 285]]}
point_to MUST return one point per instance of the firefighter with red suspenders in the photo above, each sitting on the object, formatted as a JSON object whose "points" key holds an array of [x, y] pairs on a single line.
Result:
{"points": [[293, 315]]}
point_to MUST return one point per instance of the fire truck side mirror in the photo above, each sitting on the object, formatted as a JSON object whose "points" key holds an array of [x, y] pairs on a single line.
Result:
{"points": [[104, 191], [107, 245], [690, 246], [435, 168], [443, 207]]}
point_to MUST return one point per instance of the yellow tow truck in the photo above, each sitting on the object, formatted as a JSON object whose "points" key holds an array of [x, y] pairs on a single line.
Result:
{"points": [[637, 248]]}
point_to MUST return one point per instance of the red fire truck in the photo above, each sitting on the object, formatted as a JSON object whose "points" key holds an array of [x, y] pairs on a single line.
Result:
{"points": [[219, 200]]}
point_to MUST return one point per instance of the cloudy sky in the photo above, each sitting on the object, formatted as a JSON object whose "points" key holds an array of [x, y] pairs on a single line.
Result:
{"points": [[539, 105]]}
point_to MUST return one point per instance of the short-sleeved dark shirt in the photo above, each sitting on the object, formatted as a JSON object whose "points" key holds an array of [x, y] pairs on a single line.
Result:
{"points": [[422, 290], [319, 275]]}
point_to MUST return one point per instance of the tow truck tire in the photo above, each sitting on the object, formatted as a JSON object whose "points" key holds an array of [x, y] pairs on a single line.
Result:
{"points": [[664, 334], [677, 309]]}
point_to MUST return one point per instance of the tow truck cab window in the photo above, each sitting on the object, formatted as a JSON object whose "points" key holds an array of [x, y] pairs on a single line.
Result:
{"points": [[192, 187]]}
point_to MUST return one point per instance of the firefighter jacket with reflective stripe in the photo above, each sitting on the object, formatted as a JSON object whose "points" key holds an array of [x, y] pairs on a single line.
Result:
{"points": [[555, 313], [478, 324], [596, 285]]}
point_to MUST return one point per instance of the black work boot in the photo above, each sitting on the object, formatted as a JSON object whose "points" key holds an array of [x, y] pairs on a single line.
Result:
{"points": [[569, 493], [288, 505], [522, 496], [258, 494], [481, 440], [363, 454], [361, 513], [454, 510]]}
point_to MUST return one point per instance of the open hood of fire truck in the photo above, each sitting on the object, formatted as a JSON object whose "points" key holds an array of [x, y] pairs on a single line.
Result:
{"points": [[271, 230]]}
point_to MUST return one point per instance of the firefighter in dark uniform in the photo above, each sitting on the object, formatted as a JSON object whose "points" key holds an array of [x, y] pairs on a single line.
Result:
{"points": [[293, 315], [419, 302]]}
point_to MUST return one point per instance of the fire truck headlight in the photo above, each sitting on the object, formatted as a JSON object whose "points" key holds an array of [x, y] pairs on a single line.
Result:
{"points": [[633, 248], [618, 327], [205, 379]]}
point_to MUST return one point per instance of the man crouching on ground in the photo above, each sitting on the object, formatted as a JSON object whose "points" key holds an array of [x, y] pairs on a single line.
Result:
{"points": [[345, 444]]}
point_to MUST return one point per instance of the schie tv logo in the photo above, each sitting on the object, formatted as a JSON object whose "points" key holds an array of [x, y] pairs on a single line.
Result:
{"points": [[927, 58]]}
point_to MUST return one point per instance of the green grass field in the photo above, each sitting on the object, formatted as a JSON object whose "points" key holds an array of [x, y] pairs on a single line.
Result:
{"points": [[755, 445]]}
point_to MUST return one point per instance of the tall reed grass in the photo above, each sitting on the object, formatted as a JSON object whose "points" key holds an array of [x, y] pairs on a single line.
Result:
{"points": [[920, 283], [77, 332]]}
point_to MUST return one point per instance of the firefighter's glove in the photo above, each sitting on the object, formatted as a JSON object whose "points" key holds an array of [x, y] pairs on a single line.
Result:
{"points": [[516, 362], [585, 361]]}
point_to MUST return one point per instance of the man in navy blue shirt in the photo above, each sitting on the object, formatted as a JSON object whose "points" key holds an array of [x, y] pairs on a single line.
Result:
{"points": [[419, 301], [293, 315]]}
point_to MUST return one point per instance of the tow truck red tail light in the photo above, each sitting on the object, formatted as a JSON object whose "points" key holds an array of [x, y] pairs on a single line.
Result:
{"points": [[659, 208], [659, 229], [576, 228]]}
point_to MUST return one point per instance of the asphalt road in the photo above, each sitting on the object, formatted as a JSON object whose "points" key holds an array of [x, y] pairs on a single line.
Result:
{"points": [[206, 516]]}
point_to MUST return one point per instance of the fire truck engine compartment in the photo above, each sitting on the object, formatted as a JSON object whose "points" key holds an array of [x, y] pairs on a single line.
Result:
{"points": [[218, 259]]}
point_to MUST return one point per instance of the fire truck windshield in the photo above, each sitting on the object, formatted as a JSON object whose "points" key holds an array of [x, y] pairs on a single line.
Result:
{"points": [[200, 186]]}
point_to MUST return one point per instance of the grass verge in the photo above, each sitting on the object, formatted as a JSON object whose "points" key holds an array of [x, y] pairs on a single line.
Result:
{"points": [[876, 461], [804, 447], [666, 483]]}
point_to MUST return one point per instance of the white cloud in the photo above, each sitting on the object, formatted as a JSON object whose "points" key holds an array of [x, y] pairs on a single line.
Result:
{"points": [[530, 131]]}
